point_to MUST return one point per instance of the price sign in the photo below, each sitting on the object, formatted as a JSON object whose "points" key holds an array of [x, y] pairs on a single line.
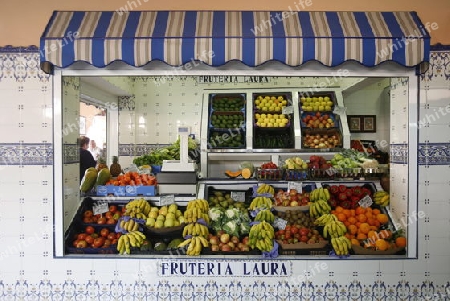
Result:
{"points": [[280, 223], [339, 110], [100, 207], [287, 110], [295, 185], [167, 200], [365, 202], [238, 196]]}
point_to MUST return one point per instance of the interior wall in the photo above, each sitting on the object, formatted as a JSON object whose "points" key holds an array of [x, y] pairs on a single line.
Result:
{"points": [[14, 31]]}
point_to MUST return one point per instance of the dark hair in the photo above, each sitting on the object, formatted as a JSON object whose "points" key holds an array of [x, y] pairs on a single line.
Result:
{"points": [[83, 140]]}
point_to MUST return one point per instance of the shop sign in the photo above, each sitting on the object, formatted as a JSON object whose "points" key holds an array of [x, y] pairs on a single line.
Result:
{"points": [[218, 79], [227, 268]]}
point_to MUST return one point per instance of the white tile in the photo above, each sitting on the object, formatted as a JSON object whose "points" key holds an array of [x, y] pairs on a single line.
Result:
{"points": [[439, 264], [438, 97]]}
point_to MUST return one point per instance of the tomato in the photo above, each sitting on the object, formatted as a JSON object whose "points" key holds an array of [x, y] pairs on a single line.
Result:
{"points": [[112, 208], [304, 231], [288, 235], [104, 232], [109, 215], [111, 236], [114, 241], [118, 234], [304, 238], [294, 229], [88, 213], [98, 242], [94, 235], [81, 244], [101, 220], [287, 228], [89, 230], [89, 239], [111, 221], [106, 244], [81, 236]]}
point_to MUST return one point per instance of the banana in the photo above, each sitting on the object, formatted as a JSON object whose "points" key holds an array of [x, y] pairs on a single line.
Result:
{"points": [[132, 240], [122, 224], [130, 225], [327, 194], [127, 244], [185, 243], [204, 241], [198, 246], [191, 247], [121, 245]]}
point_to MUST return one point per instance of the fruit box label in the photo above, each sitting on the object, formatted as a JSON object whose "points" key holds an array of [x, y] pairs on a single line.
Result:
{"points": [[365, 202], [238, 196], [217, 268]]}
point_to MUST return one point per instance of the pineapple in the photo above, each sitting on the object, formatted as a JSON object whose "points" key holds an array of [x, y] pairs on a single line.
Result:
{"points": [[115, 167], [101, 163]]}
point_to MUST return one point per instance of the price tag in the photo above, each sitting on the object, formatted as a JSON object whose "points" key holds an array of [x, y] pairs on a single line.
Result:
{"points": [[295, 185], [280, 223], [238, 196], [365, 202], [339, 110], [287, 110], [167, 200], [100, 208]]}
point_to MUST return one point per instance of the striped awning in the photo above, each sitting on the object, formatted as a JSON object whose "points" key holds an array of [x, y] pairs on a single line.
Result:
{"points": [[217, 37]]}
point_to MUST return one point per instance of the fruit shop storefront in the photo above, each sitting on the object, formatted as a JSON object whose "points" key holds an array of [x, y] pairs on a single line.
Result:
{"points": [[275, 102]]}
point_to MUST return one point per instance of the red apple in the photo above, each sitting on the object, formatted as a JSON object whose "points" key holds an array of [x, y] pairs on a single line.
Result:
{"points": [[214, 240], [225, 248], [81, 244], [225, 238], [293, 192], [89, 230], [235, 240], [82, 236], [304, 238], [304, 231]]}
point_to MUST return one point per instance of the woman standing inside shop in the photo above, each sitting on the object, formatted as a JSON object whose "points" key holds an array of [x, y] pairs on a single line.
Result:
{"points": [[86, 158]]}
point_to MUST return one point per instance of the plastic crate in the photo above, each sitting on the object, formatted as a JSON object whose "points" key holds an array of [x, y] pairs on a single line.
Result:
{"points": [[330, 116], [239, 124], [307, 94], [216, 99], [296, 174], [269, 174]]}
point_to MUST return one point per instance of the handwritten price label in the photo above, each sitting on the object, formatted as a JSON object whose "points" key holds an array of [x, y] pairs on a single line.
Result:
{"points": [[287, 110], [238, 196], [295, 185], [280, 223], [167, 200], [365, 202], [100, 208]]}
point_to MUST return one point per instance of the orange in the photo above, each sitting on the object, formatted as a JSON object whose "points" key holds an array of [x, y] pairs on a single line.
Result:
{"points": [[362, 218], [358, 224], [353, 212], [400, 241], [361, 236], [364, 228], [339, 209], [385, 234], [355, 242], [346, 223], [360, 210], [372, 235], [352, 229], [352, 220], [333, 211], [368, 214], [349, 236], [382, 218], [376, 211], [341, 217], [381, 244], [374, 228], [347, 213], [371, 221], [377, 223], [369, 209]]}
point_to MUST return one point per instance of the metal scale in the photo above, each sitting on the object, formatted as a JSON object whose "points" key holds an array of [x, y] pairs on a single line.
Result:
{"points": [[179, 176]]}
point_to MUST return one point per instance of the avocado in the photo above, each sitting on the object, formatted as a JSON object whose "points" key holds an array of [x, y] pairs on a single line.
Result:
{"points": [[174, 243], [146, 245], [160, 246]]}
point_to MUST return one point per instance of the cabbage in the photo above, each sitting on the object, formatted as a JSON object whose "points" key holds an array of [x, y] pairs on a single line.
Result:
{"points": [[244, 228], [215, 214], [244, 217], [231, 228], [232, 214]]}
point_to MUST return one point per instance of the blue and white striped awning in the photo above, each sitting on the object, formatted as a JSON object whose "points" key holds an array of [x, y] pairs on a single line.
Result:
{"points": [[217, 37]]}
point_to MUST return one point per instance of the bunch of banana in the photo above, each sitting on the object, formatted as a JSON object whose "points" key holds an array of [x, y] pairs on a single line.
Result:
{"points": [[260, 202], [196, 245], [192, 214], [261, 236], [325, 219], [265, 215], [129, 225], [319, 208], [195, 229], [131, 239], [341, 245], [319, 194], [334, 229], [265, 188], [138, 208], [381, 198], [198, 203]]}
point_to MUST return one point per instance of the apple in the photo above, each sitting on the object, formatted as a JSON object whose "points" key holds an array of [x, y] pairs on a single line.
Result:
{"points": [[82, 236], [81, 243], [88, 220], [116, 215], [221, 245], [293, 203], [225, 238], [240, 245], [245, 248], [114, 241], [112, 208], [235, 239], [304, 200], [304, 238], [214, 240], [111, 236], [101, 220], [104, 232], [110, 221], [215, 248], [225, 248], [293, 197], [89, 239], [107, 243], [108, 215], [286, 203], [220, 232], [245, 240], [99, 241], [231, 244], [293, 192], [304, 231]]}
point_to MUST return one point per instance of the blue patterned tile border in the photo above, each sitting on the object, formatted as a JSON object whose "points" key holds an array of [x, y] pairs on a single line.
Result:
{"points": [[127, 103], [71, 153], [214, 290], [434, 154], [26, 154], [138, 149], [439, 66], [399, 153], [19, 49]]}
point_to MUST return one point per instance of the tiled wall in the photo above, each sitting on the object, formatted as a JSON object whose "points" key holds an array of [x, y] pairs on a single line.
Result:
{"points": [[28, 270]]}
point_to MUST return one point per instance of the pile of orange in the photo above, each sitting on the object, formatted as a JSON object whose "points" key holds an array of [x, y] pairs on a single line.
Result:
{"points": [[361, 222], [363, 228]]}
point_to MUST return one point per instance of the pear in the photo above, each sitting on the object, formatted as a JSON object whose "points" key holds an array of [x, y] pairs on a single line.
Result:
{"points": [[159, 224], [163, 210], [150, 222], [160, 218], [173, 208]]}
